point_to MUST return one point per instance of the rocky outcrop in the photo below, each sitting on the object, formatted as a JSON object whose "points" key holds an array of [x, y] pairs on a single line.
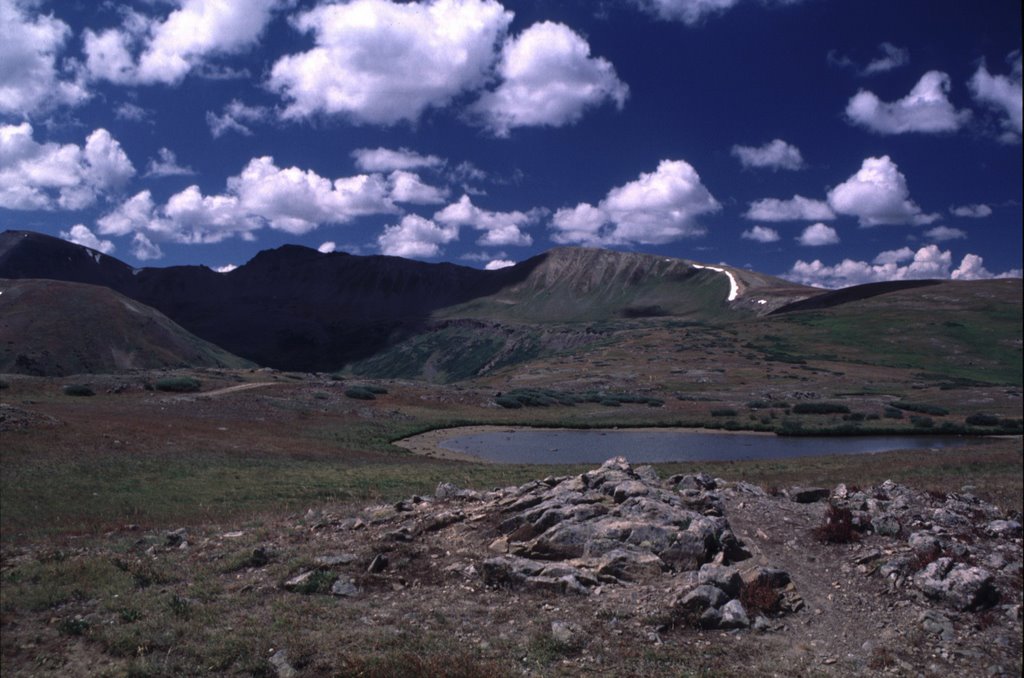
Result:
{"points": [[954, 549]]}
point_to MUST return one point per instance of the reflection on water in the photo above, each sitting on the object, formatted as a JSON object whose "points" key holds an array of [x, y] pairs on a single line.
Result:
{"points": [[547, 446]]}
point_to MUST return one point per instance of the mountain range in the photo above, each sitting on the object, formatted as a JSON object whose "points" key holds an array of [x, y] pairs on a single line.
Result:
{"points": [[67, 308], [295, 308]]}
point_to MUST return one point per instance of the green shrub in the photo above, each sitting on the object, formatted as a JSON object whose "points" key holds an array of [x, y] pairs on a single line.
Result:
{"points": [[360, 393], [855, 416], [509, 403], [4, 384], [922, 408], [980, 419], [922, 422], [820, 408], [893, 413], [78, 390], [723, 412], [178, 384]]}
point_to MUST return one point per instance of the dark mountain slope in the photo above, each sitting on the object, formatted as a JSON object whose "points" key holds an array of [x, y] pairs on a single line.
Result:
{"points": [[56, 328], [851, 294], [290, 308]]}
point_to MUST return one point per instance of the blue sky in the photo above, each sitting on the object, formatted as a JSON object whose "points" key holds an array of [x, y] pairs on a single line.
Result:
{"points": [[830, 142]]}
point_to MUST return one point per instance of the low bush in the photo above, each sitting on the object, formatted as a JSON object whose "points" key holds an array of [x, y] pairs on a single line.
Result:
{"points": [[893, 413], [980, 419], [360, 393], [723, 412], [178, 384], [921, 408], [759, 596], [78, 390], [922, 422], [838, 527], [4, 384], [820, 408]]}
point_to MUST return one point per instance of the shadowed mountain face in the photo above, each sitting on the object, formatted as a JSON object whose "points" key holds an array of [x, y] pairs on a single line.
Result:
{"points": [[296, 308], [290, 308], [57, 328]]}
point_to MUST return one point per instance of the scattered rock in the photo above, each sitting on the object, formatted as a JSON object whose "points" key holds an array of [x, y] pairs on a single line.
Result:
{"points": [[961, 586], [378, 564], [281, 665], [344, 587], [734, 616]]}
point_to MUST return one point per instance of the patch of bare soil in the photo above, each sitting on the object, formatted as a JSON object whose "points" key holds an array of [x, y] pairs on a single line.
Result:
{"points": [[612, 572]]}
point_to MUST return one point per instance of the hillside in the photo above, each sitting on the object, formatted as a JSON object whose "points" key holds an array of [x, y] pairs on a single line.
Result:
{"points": [[56, 328], [296, 308], [572, 284]]}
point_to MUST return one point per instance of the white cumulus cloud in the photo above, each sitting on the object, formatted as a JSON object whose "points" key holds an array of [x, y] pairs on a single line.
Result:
{"points": [[81, 235], [145, 249], [297, 201], [327, 247], [878, 194], [1003, 94], [236, 117], [496, 264], [926, 109], [928, 262], [761, 234], [263, 195], [500, 228], [798, 208], [48, 176], [149, 50], [943, 233], [31, 80], [382, 159], [548, 77], [976, 211], [817, 235], [776, 154], [226, 268], [382, 62], [892, 57], [416, 238], [972, 267], [409, 188], [688, 11], [656, 208], [167, 165]]}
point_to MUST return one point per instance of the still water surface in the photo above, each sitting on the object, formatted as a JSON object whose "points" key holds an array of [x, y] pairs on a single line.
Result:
{"points": [[557, 446]]}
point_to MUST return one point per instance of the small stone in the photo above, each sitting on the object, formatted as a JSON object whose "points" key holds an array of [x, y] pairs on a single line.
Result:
{"points": [[886, 525], [333, 560], [378, 564], [282, 667], [1005, 529], [565, 633], [702, 597], [721, 576], [298, 580], [734, 616], [344, 587]]}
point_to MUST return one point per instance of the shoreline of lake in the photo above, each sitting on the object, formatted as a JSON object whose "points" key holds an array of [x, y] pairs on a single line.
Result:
{"points": [[492, 444]]}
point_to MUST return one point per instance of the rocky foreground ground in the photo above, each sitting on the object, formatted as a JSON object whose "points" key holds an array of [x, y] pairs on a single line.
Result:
{"points": [[611, 572]]}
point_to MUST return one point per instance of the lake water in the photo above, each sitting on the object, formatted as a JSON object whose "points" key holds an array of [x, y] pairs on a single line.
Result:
{"points": [[557, 446]]}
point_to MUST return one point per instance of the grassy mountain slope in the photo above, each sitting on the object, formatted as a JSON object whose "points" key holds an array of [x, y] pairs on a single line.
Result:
{"points": [[55, 328], [959, 330], [573, 284]]}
